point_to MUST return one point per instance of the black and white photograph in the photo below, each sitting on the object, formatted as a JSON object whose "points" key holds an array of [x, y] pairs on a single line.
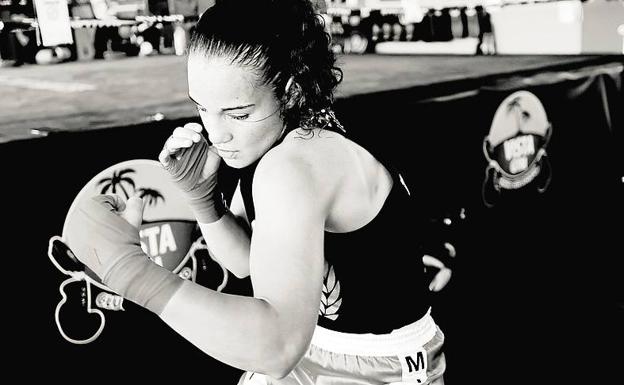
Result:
{"points": [[313, 192]]}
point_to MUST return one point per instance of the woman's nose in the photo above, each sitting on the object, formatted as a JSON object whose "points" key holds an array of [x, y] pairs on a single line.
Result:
{"points": [[218, 135], [217, 132]]}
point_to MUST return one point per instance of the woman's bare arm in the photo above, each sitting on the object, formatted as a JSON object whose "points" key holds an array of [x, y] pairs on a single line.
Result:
{"points": [[270, 332]]}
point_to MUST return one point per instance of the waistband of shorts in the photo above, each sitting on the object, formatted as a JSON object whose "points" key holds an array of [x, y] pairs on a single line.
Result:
{"points": [[402, 340]]}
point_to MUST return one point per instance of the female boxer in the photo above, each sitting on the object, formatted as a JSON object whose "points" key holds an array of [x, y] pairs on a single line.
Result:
{"points": [[317, 221]]}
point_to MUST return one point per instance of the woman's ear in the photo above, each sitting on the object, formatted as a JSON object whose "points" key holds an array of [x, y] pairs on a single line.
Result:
{"points": [[292, 93], [289, 84]]}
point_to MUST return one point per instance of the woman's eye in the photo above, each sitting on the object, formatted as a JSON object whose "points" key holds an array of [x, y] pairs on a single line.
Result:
{"points": [[239, 117], [201, 109]]}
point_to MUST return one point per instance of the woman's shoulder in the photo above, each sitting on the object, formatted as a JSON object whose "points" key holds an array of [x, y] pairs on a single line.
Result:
{"points": [[317, 146], [318, 138], [315, 154]]}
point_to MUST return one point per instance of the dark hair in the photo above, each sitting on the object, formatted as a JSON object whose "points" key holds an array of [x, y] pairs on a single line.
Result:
{"points": [[279, 39]]}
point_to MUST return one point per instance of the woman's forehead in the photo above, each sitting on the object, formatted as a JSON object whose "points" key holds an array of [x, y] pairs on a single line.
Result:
{"points": [[218, 80]]}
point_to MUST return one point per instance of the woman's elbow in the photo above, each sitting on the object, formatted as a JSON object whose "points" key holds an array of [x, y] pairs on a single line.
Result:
{"points": [[281, 361], [280, 374], [283, 365]]}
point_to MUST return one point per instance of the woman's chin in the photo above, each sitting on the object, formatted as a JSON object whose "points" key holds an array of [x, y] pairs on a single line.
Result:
{"points": [[236, 162]]}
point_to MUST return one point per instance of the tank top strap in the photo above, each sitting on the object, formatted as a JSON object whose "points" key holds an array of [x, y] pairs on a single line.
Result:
{"points": [[245, 183]]}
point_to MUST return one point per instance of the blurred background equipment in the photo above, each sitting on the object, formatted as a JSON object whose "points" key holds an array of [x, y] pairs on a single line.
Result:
{"points": [[53, 22], [109, 29]]}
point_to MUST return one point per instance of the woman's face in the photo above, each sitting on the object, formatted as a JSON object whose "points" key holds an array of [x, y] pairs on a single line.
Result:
{"points": [[240, 114]]}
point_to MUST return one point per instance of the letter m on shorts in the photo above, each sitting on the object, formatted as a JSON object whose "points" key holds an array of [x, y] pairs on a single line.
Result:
{"points": [[414, 367]]}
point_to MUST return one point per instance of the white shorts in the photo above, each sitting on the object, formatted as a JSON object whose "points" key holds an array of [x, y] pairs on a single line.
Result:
{"points": [[409, 355]]}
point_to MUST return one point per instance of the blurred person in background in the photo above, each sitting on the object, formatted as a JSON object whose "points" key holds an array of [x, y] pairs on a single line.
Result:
{"points": [[17, 35]]}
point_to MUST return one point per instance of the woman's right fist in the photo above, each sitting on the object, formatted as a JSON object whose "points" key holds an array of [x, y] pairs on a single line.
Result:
{"points": [[187, 148], [193, 166]]}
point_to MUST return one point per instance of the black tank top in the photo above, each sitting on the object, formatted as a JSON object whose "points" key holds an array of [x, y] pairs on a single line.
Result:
{"points": [[374, 278]]}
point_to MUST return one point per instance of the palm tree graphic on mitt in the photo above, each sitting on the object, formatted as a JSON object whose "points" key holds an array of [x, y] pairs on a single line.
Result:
{"points": [[150, 196], [117, 181], [121, 181]]}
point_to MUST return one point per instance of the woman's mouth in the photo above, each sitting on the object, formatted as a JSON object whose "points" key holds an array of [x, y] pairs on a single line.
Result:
{"points": [[227, 154]]}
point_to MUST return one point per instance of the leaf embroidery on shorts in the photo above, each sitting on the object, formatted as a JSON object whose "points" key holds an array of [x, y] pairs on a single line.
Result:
{"points": [[330, 297]]}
